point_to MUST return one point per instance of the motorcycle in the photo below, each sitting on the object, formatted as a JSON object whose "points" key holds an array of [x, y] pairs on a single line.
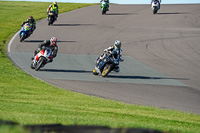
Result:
{"points": [[40, 59], [155, 6], [51, 17], [104, 7], [25, 32], [108, 64]]}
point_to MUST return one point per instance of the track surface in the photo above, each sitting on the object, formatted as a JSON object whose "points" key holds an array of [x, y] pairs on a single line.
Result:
{"points": [[162, 54]]}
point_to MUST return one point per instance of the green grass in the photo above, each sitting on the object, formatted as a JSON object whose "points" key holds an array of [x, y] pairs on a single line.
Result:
{"points": [[12, 129], [26, 100]]}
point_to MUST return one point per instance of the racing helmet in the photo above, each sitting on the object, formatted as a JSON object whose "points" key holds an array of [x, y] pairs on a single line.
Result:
{"points": [[30, 18], [53, 41], [117, 44], [55, 3]]}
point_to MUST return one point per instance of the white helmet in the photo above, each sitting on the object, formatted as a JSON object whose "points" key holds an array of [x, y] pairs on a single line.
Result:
{"points": [[117, 44], [53, 41]]}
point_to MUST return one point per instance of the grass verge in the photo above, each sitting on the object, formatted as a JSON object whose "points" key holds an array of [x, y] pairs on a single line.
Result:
{"points": [[26, 100]]}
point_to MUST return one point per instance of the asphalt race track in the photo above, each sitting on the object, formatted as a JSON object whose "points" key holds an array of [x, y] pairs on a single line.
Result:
{"points": [[161, 52]]}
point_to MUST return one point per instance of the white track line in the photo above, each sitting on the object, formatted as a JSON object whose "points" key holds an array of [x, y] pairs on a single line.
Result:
{"points": [[9, 44]]}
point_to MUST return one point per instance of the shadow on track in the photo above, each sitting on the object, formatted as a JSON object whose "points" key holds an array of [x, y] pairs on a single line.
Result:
{"points": [[67, 71], [66, 41], [73, 24], [34, 41], [174, 13], [142, 77], [40, 41], [120, 13]]}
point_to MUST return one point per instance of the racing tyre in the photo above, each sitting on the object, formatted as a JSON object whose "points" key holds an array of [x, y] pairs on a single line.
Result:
{"points": [[22, 37], [106, 70], [103, 11], [39, 64], [49, 21], [32, 67], [154, 10]]}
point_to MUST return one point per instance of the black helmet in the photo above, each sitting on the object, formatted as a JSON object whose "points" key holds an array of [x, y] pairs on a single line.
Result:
{"points": [[30, 18]]}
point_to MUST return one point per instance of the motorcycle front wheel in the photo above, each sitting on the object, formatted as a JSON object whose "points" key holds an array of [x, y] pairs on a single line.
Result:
{"points": [[39, 64], [49, 21], [106, 70], [103, 11], [154, 10], [32, 66], [22, 37]]}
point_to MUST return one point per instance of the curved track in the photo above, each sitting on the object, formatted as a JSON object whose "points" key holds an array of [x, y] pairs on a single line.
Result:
{"points": [[162, 54]]}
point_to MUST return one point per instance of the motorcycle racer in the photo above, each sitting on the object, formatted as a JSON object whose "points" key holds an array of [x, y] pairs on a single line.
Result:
{"points": [[116, 47], [50, 44], [31, 21], [105, 1], [53, 7], [159, 1]]}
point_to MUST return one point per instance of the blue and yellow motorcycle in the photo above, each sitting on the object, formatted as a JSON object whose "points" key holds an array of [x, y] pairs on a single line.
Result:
{"points": [[108, 64], [25, 32]]}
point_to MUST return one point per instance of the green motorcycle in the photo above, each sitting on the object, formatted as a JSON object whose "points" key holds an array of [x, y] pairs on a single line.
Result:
{"points": [[104, 7]]}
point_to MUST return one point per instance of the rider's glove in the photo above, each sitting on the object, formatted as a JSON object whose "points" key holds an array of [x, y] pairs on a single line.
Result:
{"points": [[121, 59], [43, 47], [109, 52]]}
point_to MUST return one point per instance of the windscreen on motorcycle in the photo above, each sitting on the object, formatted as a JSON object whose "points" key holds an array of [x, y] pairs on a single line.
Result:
{"points": [[48, 51], [51, 13], [155, 2], [26, 27]]}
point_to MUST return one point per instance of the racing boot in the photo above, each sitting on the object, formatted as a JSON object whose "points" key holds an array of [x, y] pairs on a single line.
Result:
{"points": [[51, 60], [116, 69]]}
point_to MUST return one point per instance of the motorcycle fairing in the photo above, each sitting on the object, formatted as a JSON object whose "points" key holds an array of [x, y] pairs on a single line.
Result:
{"points": [[103, 62], [155, 4], [104, 5], [24, 29]]}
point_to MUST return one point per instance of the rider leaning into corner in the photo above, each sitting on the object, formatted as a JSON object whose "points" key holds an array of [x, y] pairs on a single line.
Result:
{"points": [[159, 1], [53, 7], [116, 47], [52, 43], [31, 21], [105, 1]]}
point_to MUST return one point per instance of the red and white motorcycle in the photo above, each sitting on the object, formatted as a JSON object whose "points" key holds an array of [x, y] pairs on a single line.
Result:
{"points": [[43, 57]]}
